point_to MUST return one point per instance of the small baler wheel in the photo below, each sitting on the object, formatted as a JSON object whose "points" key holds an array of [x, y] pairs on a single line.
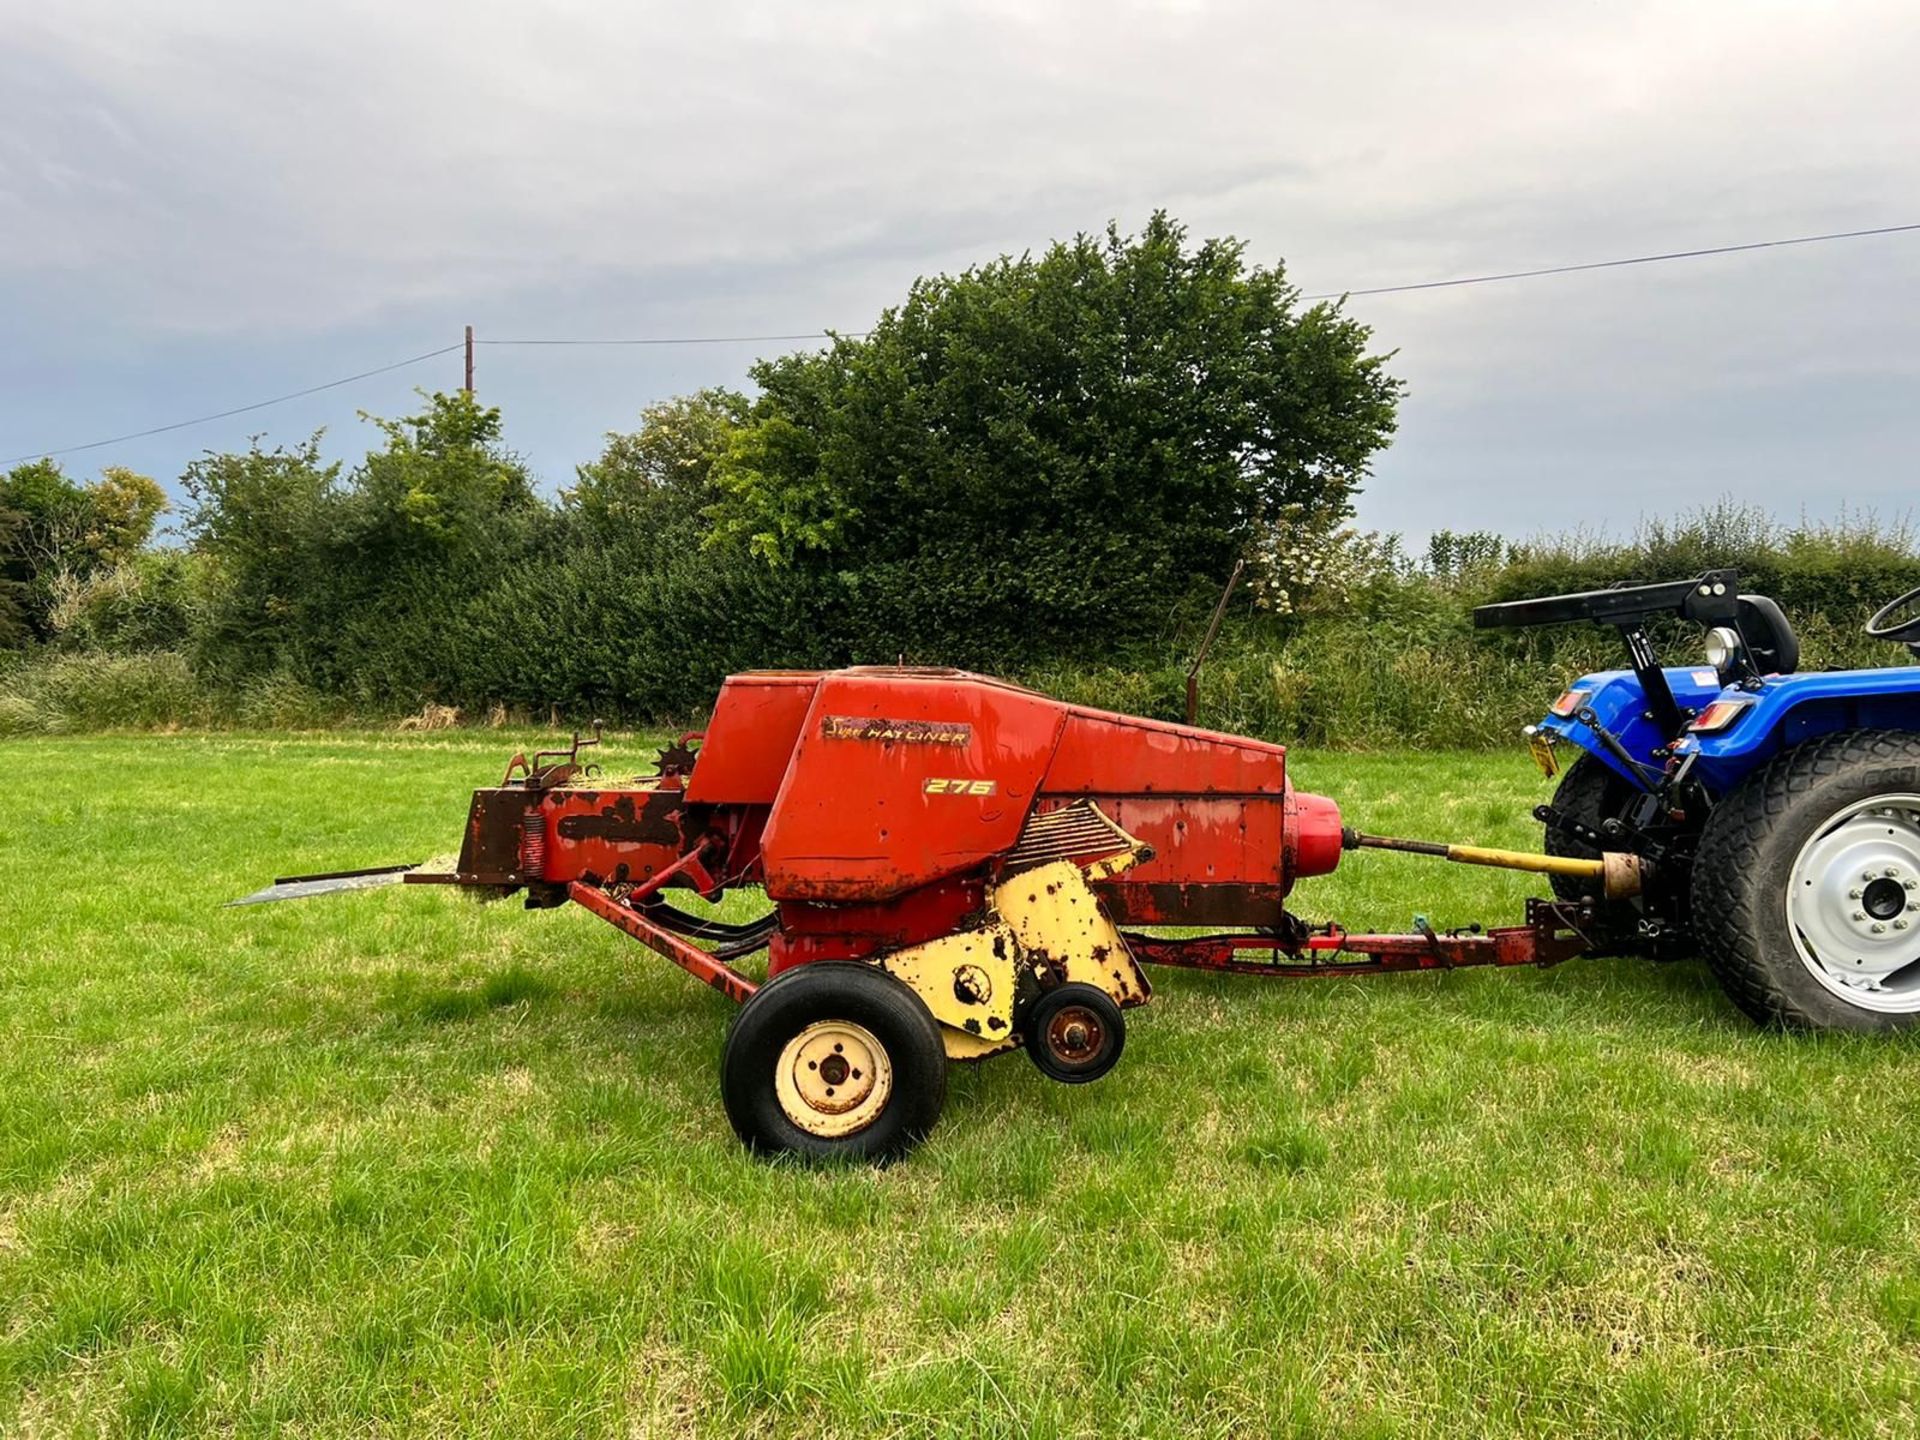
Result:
{"points": [[1075, 1033]]}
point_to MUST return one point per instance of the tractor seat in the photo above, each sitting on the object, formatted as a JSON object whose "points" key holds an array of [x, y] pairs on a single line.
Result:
{"points": [[1771, 643]]}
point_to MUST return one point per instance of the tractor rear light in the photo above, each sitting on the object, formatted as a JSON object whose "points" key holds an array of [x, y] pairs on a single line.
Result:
{"points": [[1569, 704], [1718, 716]]}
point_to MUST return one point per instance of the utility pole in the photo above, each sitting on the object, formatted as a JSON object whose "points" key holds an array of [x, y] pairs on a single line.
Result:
{"points": [[468, 387]]}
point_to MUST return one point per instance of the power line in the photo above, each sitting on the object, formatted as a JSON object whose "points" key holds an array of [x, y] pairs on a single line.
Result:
{"points": [[237, 410], [1328, 295], [856, 334], [692, 339], [1616, 264]]}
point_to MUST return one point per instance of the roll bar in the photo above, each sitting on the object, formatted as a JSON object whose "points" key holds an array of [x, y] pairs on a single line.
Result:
{"points": [[1711, 599]]}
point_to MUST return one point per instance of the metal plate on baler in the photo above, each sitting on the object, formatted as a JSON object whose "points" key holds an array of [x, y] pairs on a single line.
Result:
{"points": [[301, 887]]}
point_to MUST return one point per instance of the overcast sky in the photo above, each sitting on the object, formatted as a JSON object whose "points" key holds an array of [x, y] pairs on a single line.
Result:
{"points": [[209, 202]]}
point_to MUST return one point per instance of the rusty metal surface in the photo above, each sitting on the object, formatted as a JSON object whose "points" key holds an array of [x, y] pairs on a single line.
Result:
{"points": [[855, 932], [969, 981], [833, 1078], [630, 817], [1146, 902], [490, 850], [1042, 928], [706, 968], [1077, 831], [1065, 933], [1555, 931], [1074, 1034], [1106, 754], [749, 741], [854, 820]]}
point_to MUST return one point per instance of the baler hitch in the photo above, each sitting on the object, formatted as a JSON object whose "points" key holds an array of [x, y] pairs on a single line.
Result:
{"points": [[1555, 930]]}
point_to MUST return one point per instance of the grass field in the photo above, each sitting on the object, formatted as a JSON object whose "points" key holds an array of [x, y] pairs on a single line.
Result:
{"points": [[400, 1162]]}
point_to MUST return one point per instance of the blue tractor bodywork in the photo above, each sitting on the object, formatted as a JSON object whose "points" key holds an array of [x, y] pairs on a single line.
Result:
{"points": [[1775, 713], [1618, 702], [1645, 723], [1789, 710], [1657, 748]]}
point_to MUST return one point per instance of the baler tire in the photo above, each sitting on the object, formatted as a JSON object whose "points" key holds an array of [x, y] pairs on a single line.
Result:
{"points": [[864, 999], [1111, 1035], [1746, 857], [1592, 794]]}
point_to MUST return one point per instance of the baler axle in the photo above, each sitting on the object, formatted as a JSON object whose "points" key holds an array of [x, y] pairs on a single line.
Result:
{"points": [[1617, 872]]}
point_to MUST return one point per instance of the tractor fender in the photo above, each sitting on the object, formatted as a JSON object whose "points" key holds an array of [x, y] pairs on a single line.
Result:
{"points": [[1788, 710], [1619, 703]]}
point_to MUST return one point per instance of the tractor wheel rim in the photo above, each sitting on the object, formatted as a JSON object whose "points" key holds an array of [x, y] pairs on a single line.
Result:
{"points": [[833, 1078], [1853, 904]]}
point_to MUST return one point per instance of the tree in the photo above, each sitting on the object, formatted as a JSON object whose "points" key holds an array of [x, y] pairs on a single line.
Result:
{"points": [[125, 506], [659, 480], [64, 532], [351, 580], [15, 630], [271, 526], [1054, 453], [443, 477]]}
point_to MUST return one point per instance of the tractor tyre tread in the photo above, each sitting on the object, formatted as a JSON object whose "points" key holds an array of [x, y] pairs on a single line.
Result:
{"points": [[1734, 903]]}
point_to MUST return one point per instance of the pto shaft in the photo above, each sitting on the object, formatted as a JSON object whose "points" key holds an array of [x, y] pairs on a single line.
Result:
{"points": [[1617, 872]]}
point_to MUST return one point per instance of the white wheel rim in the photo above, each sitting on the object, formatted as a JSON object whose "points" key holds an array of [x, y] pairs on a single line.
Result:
{"points": [[1853, 904], [833, 1078]]}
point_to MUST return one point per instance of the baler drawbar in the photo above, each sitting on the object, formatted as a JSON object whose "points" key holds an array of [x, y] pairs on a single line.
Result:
{"points": [[957, 867]]}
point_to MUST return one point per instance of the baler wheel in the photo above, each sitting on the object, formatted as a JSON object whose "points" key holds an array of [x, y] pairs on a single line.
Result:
{"points": [[1075, 1033], [834, 1060]]}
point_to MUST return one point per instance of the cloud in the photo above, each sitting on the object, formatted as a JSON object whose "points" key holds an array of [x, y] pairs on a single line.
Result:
{"points": [[211, 177]]}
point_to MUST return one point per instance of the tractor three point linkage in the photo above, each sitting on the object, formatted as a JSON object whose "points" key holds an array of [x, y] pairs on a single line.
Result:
{"points": [[958, 867]]}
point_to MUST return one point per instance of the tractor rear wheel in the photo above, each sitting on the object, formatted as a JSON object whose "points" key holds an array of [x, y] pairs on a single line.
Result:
{"points": [[1591, 794], [834, 1060], [1806, 888]]}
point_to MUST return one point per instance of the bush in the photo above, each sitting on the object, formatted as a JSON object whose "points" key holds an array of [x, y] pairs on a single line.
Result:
{"points": [[142, 604], [1379, 651], [1047, 455], [54, 694]]}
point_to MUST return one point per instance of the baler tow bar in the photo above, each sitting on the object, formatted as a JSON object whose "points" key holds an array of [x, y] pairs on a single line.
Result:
{"points": [[1555, 930]]}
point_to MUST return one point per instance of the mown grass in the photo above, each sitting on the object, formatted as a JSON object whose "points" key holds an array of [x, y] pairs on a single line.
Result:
{"points": [[397, 1162]]}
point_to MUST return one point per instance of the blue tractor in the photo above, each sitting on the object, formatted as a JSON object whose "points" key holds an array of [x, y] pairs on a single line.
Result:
{"points": [[1776, 815]]}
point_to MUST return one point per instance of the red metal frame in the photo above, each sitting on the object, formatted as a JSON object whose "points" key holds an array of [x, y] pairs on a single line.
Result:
{"points": [[688, 956], [1553, 932]]}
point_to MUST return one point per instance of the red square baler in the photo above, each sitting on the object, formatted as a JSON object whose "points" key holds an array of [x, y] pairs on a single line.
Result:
{"points": [[949, 861]]}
